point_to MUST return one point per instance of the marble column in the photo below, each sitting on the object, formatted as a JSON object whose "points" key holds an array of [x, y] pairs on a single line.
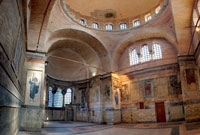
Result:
{"points": [[64, 91], [54, 90]]}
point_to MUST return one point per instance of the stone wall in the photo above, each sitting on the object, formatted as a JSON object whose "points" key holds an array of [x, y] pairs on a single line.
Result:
{"points": [[55, 114], [92, 101], [116, 98], [175, 111], [164, 88], [189, 72], [12, 54]]}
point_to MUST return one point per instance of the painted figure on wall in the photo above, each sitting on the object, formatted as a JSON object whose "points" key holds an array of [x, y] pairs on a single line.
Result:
{"points": [[107, 92], [175, 88], [116, 96], [147, 88], [115, 82], [124, 92], [34, 86], [191, 80]]}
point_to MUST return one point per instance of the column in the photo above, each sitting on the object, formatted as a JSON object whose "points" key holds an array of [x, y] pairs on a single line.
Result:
{"points": [[54, 90], [64, 91]]}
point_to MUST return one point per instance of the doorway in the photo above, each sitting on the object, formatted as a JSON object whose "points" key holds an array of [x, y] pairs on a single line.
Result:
{"points": [[160, 112]]}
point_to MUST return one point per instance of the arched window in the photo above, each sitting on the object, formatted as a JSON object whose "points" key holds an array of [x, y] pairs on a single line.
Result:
{"points": [[146, 56], [157, 10], [58, 98], [157, 53], [134, 58], [123, 26], [136, 23], [50, 97], [95, 25], [68, 96], [82, 21], [148, 17], [109, 27]]}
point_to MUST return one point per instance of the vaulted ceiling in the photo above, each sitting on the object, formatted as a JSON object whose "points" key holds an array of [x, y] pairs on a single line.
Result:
{"points": [[52, 32]]}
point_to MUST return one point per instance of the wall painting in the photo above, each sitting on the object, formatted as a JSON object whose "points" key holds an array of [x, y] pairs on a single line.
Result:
{"points": [[33, 87]]}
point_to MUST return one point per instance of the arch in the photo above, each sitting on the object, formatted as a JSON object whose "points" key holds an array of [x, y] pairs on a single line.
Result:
{"points": [[68, 96], [85, 39], [62, 65], [58, 98], [134, 37]]}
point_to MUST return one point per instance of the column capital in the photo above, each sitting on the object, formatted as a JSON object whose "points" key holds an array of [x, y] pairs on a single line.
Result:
{"points": [[64, 91]]}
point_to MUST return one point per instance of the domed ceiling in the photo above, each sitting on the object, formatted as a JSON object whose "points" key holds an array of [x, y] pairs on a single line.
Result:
{"points": [[75, 55], [118, 9]]}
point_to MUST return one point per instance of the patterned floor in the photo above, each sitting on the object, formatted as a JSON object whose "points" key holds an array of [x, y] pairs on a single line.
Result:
{"points": [[75, 128]]}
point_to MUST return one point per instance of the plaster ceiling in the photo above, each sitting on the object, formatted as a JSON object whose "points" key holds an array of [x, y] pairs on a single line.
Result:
{"points": [[71, 59], [120, 8], [57, 67]]}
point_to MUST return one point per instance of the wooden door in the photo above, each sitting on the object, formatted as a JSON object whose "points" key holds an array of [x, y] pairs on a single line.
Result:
{"points": [[160, 112], [141, 105]]}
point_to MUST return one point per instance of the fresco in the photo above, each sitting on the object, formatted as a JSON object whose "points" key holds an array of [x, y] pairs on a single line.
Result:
{"points": [[33, 87], [107, 92], [191, 79], [116, 98], [115, 82], [125, 93], [174, 85], [147, 86]]}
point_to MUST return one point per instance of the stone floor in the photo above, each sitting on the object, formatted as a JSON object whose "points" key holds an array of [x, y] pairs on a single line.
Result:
{"points": [[73, 128]]}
